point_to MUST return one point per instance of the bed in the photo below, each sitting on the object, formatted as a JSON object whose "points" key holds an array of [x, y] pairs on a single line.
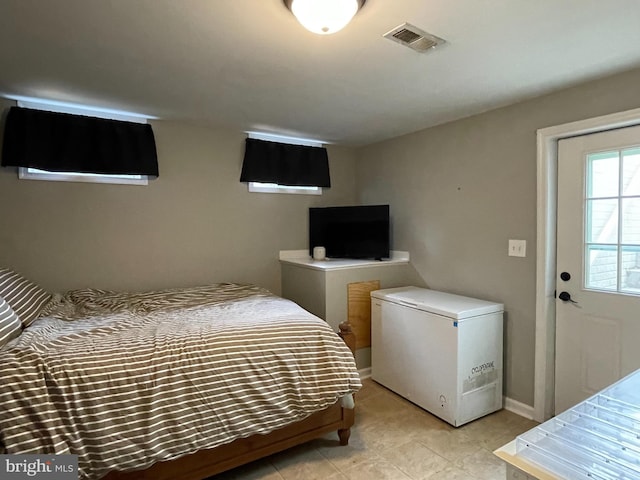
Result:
{"points": [[179, 384]]}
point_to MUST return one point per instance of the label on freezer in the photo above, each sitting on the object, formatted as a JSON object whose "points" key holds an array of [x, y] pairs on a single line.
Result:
{"points": [[482, 367], [479, 376]]}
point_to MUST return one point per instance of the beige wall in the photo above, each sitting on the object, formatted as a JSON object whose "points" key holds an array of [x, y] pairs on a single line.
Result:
{"points": [[195, 224], [459, 191]]}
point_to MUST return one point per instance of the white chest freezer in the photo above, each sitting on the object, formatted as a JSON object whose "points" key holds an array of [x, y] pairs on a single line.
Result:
{"points": [[441, 351]]}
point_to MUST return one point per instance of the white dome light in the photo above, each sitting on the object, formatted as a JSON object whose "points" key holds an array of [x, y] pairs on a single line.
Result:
{"points": [[324, 16]]}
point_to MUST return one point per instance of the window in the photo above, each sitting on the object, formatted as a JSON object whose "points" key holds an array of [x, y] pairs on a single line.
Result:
{"points": [[612, 221], [258, 187], [28, 173]]}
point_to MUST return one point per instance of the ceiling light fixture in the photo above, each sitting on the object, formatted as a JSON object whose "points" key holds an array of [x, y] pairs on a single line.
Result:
{"points": [[324, 16]]}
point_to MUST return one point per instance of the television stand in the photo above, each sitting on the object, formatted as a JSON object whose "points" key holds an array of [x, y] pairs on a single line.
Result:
{"points": [[321, 286]]}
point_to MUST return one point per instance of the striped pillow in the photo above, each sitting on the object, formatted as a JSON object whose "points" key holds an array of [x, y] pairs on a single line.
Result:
{"points": [[10, 326], [25, 298]]}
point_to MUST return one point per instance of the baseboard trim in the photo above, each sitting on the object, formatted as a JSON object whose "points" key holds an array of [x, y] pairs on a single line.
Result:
{"points": [[519, 408], [365, 373]]}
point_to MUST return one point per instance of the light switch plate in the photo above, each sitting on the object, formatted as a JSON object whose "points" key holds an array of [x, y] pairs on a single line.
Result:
{"points": [[517, 248]]}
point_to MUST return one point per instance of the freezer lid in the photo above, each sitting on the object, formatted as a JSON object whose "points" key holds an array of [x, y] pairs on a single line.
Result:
{"points": [[449, 305]]}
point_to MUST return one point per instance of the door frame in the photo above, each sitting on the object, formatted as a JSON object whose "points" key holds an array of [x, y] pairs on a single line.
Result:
{"points": [[547, 181]]}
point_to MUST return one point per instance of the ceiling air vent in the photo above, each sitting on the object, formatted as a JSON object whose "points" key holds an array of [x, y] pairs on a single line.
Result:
{"points": [[414, 38]]}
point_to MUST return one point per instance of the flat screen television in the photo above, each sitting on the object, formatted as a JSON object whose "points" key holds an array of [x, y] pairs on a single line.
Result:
{"points": [[360, 232]]}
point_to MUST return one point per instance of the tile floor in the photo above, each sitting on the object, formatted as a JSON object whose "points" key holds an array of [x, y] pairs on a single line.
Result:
{"points": [[395, 440]]}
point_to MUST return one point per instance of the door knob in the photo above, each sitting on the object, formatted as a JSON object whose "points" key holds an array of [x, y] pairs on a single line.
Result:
{"points": [[566, 297], [566, 276]]}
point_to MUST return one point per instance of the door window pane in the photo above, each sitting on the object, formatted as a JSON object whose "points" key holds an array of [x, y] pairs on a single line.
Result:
{"points": [[602, 221], [603, 174], [630, 269], [631, 171], [631, 221], [602, 267]]}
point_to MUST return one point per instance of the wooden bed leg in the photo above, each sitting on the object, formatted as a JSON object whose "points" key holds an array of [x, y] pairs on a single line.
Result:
{"points": [[344, 435], [347, 335]]}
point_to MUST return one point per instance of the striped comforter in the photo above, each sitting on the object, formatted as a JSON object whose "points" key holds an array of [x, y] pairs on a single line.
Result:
{"points": [[126, 380]]}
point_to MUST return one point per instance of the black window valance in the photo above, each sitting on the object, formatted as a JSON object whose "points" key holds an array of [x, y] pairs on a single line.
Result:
{"points": [[62, 142], [285, 164]]}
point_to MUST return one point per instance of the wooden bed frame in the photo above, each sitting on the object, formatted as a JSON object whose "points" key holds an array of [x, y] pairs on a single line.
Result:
{"points": [[205, 463]]}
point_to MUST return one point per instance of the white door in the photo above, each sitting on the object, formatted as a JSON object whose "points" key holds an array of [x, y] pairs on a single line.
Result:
{"points": [[598, 263]]}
